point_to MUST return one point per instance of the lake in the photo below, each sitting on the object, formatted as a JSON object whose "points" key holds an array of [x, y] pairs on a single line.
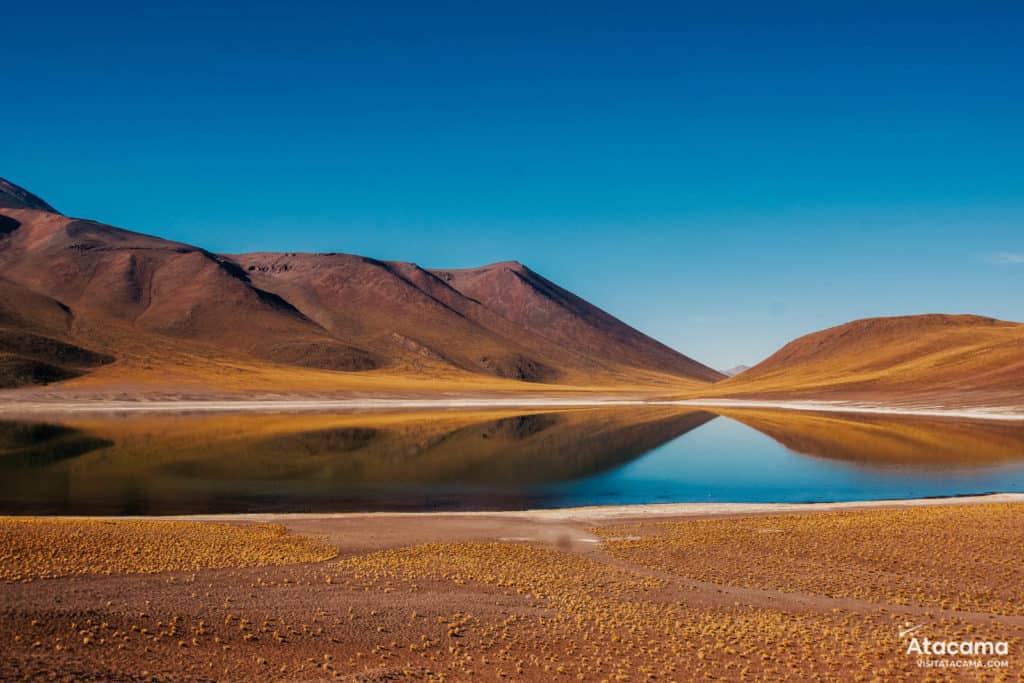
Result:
{"points": [[481, 460]]}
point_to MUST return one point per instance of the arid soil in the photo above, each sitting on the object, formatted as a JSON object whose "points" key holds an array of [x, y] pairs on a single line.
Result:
{"points": [[694, 593], [45, 548]]}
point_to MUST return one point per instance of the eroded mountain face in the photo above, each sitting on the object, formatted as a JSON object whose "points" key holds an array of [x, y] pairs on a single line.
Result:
{"points": [[112, 292]]}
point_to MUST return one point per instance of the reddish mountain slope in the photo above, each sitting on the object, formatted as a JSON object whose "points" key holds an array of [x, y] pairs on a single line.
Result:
{"points": [[101, 273], [33, 340], [126, 294], [563, 319], [406, 309]]}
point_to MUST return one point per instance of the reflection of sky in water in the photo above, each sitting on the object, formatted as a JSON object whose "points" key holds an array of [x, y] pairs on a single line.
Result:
{"points": [[66, 471], [725, 461]]}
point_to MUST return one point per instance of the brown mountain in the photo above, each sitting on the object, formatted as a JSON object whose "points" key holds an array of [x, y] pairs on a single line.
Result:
{"points": [[502, 319], [14, 197], [78, 294], [963, 359], [558, 316]]}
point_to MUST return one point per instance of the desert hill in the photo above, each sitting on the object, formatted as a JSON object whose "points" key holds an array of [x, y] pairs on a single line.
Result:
{"points": [[975, 359], [148, 304]]}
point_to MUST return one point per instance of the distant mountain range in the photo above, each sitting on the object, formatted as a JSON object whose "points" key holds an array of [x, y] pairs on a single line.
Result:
{"points": [[78, 295], [106, 307]]}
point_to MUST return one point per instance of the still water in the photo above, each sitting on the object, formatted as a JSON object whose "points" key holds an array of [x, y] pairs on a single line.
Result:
{"points": [[179, 464]]}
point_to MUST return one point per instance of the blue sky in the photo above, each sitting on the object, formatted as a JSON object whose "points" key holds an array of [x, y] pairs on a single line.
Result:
{"points": [[723, 176]]}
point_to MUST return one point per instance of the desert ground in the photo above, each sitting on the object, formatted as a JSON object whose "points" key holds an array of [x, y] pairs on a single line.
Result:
{"points": [[676, 592]]}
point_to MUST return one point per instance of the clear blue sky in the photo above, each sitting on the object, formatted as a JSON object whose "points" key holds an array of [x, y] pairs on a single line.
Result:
{"points": [[724, 176]]}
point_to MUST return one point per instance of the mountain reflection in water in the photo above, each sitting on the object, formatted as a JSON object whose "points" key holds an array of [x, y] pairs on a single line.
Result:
{"points": [[182, 464]]}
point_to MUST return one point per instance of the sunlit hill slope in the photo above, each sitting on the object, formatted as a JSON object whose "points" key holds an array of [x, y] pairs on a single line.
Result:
{"points": [[957, 358]]}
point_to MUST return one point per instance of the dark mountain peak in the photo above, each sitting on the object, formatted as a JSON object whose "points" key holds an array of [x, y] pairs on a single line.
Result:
{"points": [[14, 197]]}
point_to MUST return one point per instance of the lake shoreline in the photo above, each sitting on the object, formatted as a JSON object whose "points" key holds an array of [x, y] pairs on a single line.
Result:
{"points": [[1002, 413], [40, 405], [590, 513]]}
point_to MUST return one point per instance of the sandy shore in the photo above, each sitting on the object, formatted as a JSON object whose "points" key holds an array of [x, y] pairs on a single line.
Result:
{"points": [[598, 513], [306, 405], [14, 406]]}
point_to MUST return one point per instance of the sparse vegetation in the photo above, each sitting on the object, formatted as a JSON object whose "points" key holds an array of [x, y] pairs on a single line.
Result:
{"points": [[953, 557], [737, 599], [37, 548]]}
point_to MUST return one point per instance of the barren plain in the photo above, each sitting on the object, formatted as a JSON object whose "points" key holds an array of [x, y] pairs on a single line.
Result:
{"points": [[693, 593]]}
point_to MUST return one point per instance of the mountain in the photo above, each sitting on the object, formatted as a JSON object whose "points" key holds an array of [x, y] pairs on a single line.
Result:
{"points": [[130, 308], [735, 370], [536, 304], [32, 346], [14, 197], [502, 319], [969, 359]]}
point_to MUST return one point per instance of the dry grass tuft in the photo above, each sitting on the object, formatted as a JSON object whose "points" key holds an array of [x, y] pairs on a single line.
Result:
{"points": [[954, 557], [760, 598], [34, 548]]}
